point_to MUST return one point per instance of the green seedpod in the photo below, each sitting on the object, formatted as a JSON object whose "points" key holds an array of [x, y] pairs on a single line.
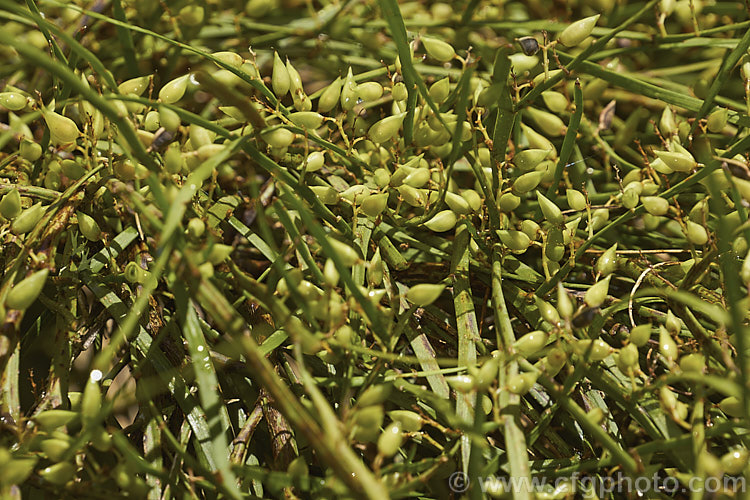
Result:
{"points": [[330, 273], [29, 150], [531, 343], [349, 95], [578, 31], [538, 141], [548, 313], [516, 241], [731, 406], [554, 361], [229, 58], [151, 121], [418, 177], [530, 228], [347, 254], [209, 151], [369, 91], [59, 473], [576, 199], [195, 228], [375, 269], [564, 304], [462, 383], [667, 124], [457, 203], [412, 196], [717, 120], [10, 204], [399, 92], [548, 123], [555, 101], [23, 294], [595, 349], [551, 212], [655, 205], [355, 194], [679, 162], [13, 101], [191, 15], [661, 167], [62, 129], [667, 345], [330, 96], [599, 218], [307, 119], [695, 363], [523, 63], [409, 420], [135, 86], [521, 383], [745, 269], [696, 233], [89, 227], [199, 136], [385, 129], [374, 395], [278, 137], [630, 197], [219, 253], [91, 401], [314, 161], [526, 182], [374, 204], [390, 440], [27, 220], [49, 420], [169, 119], [16, 470], [570, 229], [173, 162], [672, 323], [529, 159], [597, 293], [424, 294], [555, 247], [295, 81], [607, 262], [640, 334], [442, 221], [473, 199], [627, 361], [735, 461], [438, 49], [280, 80], [326, 194], [54, 448], [440, 90], [72, 169], [309, 292], [174, 90]]}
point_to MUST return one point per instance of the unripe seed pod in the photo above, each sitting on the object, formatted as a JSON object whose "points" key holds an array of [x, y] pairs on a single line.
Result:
{"points": [[531, 343], [731, 406], [349, 95], [526, 182], [578, 31], [529, 159], [347, 254], [462, 383], [630, 197], [555, 101], [564, 304], [219, 253], [555, 248], [59, 473], [695, 363], [554, 361], [330, 96], [412, 196], [538, 141], [326, 194], [390, 440], [88, 227], [151, 121], [169, 119], [173, 161], [486, 375], [27, 219], [595, 416], [679, 162], [50, 420], [473, 199], [640, 334], [696, 233], [418, 177], [54, 448], [548, 123], [627, 361], [375, 269], [374, 204], [369, 91], [550, 211], [717, 120], [424, 294], [314, 161], [457, 203], [442, 221], [655, 205], [599, 218], [409, 420], [521, 383], [307, 119], [62, 129], [548, 313], [440, 90], [174, 90], [10, 204], [667, 124], [576, 199], [355, 194], [530, 228], [72, 169], [595, 349], [672, 323], [517, 241], [667, 345], [135, 273], [280, 80], [278, 137], [29, 150], [508, 202], [735, 461], [597, 293], [607, 263], [134, 86], [13, 101], [91, 401], [385, 129], [438, 49], [745, 269], [195, 228]]}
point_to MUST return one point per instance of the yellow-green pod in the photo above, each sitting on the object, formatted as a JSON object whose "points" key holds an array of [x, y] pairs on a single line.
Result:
{"points": [[411, 195], [72, 169], [409, 420], [326, 194], [735, 461], [655, 205], [564, 304], [607, 262], [695, 363], [399, 92], [191, 15], [135, 86], [89, 227], [696, 233], [442, 221], [531, 343], [578, 31], [521, 383], [627, 359], [369, 91], [219, 253], [679, 162], [314, 161], [531, 229], [59, 473], [555, 248], [667, 124], [595, 349], [550, 211], [548, 313], [374, 204], [385, 129], [745, 269], [174, 90], [717, 120], [555, 101], [640, 334], [597, 293], [280, 81], [10, 204], [418, 177], [62, 129], [424, 294], [577, 200], [672, 323], [440, 90], [599, 218], [29, 150], [355, 194], [173, 162], [667, 345], [457, 203], [347, 254], [13, 101], [529, 159], [526, 182], [169, 119], [307, 119], [538, 141], [195, 228], [54, 448], [91, 401], [390, 440], [486, 375], [278, 137], [517, 241], [630, 197], [548, 123], [472, 198], [543, 77], [462, 383], [375, 269], [554, 361], [50, 420], [330, 96], [27, 220], [349, 95], [508, 202], [731, 406], [438, 49]]}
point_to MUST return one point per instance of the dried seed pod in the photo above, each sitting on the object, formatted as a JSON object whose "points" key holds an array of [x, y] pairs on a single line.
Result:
{"points": [[424, 294], [597, 293], [550, 211], [578, 31], [440, 90], [385, 129], [27, 220], [24, 293], [548, 123], [174, 90], [438, 49], [442, 221], [62, 129], [529, 45], [529, 159], [531, 343], [89, 227], [679, 162], [607, 262], [10, 204]]}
